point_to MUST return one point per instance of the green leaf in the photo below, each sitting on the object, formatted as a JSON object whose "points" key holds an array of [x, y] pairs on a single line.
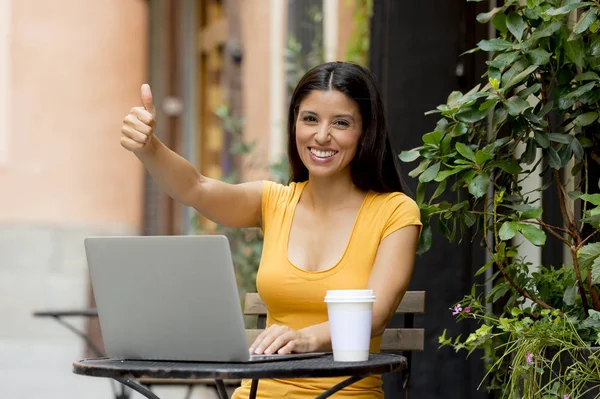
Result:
{"points": [[465, 151], [471, 114], [542, 139], [545, 30], [539, 56], [430, 173], [453, 99], [439, 190], [444, 174], [532, 234], [513, 71], [503, 60], [425, 240], [570, 295], [515, 24], [586, 119], [573, 195], [460, 129], [508, 230], [567, 9], [409, 156], [421, 187], [530, 152], [588, 254], [529, 90], [593, 198], [553, 158], [576, 94], [499, 22], [494, 45], [575, 52], [484, 268], [419, 169], [484, 18], [482, 157], [516, 105], [534, 213], [596, 271], [486, 106], [433, 138], [478, 187], [509, 166], [595, 46], [589, 75], [560, 138], [520, 77], [586, 20]]}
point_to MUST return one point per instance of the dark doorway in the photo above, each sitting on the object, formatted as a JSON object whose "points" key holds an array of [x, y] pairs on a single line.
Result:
{"points": [[415, 55]]}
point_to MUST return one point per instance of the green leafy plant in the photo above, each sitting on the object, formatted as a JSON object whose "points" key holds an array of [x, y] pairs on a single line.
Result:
{"points": [[537, 116]]}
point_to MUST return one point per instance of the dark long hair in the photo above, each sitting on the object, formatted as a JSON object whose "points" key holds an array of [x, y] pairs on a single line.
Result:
{"points": [[375, 166]]}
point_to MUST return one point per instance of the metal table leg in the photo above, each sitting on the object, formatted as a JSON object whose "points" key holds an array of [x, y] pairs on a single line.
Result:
{"points": [[137, 387], [118, 395], [221, 389], [341, 385], [253, 389]]}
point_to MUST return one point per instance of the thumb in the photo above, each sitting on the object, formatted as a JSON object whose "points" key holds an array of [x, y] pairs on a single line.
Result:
{"points": [[147, 99]]}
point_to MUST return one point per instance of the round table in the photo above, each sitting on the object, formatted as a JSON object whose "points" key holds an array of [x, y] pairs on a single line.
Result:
{"points": [[127, 371]]}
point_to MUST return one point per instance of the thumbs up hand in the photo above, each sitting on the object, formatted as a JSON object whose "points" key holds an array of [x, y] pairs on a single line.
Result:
{"points": [[138, 125]]}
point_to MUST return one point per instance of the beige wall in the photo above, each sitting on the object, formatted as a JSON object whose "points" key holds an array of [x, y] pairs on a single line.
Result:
{"points": [[76, 67], [256, 75], [345, 26]]}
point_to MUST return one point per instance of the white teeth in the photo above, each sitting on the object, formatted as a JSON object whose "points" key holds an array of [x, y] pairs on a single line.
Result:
{"points": [[323, 154]]}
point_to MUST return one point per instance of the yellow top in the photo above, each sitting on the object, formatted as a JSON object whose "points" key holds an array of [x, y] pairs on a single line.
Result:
{"points": [[294, 297]]}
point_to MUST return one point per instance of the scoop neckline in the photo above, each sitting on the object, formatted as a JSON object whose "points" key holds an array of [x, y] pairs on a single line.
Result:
{"points": [[288, 230]]}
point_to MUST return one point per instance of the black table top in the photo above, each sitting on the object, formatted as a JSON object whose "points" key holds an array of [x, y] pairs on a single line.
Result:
{"points": [[67, 312], [323, 366]]}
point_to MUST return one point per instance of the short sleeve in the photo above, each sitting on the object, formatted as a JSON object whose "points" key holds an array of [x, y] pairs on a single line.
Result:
{"points": [[401, 211], [272, 196]]}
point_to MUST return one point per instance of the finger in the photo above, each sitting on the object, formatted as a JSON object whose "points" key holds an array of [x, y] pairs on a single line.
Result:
{"points": [[134, 135], [280, 342], [267, 338], [130, 144], [135, 122], [261, 337], [147, 99], [143, 116], [288, 348]]}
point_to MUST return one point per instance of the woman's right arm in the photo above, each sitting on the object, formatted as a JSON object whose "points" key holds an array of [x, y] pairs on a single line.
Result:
{"points": [[231, 205]]}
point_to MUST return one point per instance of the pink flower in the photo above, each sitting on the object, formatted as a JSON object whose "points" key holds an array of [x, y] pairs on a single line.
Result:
{"points": [[457, 310], [467, 309], [566, 396], [529, 357]]}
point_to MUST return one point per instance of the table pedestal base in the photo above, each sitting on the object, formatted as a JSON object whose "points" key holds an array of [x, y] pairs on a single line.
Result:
{"points": [[253, 389]]}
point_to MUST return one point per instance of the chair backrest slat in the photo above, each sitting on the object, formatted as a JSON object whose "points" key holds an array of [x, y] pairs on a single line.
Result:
{"points": [[393, 339], [413, 302]]}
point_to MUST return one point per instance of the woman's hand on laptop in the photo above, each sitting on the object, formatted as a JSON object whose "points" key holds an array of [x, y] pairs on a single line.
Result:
{"points": [[282, 340]]}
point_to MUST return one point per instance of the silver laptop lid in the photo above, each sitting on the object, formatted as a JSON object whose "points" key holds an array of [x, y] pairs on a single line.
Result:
{"points": [[167, 298]]}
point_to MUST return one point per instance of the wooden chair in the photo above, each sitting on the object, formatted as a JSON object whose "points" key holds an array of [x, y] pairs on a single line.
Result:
{"points": [[398, 340]]}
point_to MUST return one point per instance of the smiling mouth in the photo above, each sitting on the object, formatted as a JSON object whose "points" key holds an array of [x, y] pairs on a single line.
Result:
{"points": [[322, 154]]}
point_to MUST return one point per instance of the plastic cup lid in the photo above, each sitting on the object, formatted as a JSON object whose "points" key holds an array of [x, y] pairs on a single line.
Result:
{"points": [[350, 296]]}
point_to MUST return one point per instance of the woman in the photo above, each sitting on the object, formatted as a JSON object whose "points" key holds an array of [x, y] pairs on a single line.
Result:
{"points": [[342, 222]]}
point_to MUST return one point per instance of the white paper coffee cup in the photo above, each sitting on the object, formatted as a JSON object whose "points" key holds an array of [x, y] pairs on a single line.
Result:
{"points": [[350, 315]]}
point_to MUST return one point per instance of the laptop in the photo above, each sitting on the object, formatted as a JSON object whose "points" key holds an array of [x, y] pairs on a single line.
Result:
{"points": [[169, 298]]}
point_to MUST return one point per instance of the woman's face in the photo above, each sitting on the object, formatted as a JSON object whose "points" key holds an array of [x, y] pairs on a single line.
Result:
{"points": [[328, 128]]}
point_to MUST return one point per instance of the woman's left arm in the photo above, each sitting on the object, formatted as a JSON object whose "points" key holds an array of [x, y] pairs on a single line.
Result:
{"points": [[389, 279]]}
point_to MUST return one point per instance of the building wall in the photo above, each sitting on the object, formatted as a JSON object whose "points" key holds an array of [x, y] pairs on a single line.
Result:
{"points": [[256, 78], [74, 70]]}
